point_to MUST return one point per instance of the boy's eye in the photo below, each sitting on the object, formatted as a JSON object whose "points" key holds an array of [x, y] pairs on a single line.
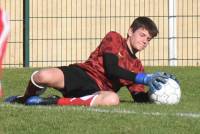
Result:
{"points": [[142, 34]]}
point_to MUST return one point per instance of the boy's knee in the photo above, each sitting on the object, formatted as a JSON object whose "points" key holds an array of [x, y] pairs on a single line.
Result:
{"points": [[39, 76], [38, 79], [107, 98], [113, 99]]}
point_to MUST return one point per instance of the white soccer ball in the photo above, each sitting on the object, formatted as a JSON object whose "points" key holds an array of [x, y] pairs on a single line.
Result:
{"points": [[170, 93]]}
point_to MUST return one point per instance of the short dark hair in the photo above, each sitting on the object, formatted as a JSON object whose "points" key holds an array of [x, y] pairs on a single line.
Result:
{"points": [[146, 23]]}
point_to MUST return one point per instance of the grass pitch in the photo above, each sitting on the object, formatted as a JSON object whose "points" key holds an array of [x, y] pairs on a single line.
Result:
{"points": [[127, 118]]}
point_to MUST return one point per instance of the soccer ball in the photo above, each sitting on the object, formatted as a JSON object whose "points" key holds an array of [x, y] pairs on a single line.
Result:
{"points": [[170, 93]]}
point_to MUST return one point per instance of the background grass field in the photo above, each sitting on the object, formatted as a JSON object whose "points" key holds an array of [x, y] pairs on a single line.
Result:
{"points": [[127, 118]]}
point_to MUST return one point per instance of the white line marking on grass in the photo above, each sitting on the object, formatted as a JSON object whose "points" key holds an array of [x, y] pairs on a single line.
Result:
{"points": [[123, 111], [103, 110]]}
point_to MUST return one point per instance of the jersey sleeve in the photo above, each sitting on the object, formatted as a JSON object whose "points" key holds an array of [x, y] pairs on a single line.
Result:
{"points": [[113, 70], [111, 43], [137, 87]]}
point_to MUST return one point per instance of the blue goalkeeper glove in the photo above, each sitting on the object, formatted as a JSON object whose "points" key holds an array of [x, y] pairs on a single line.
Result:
{"points": [[152, 80]]}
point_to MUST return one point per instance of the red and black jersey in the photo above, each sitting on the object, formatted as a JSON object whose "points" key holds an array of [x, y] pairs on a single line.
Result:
{"points": [[115, 44]]}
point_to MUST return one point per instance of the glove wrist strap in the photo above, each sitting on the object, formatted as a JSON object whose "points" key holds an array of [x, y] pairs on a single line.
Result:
{"points": [[140, 78]]}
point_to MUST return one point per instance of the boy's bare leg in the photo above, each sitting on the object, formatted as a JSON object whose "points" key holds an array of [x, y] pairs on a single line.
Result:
{"points": [[106, 98], [40, 80]]}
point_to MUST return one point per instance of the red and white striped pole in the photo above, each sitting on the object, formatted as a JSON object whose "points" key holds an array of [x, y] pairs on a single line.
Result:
{"points": [[4, 34]]}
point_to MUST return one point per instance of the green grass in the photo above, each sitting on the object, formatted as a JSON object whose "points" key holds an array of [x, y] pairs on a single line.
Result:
{"points": [[127, 118]]}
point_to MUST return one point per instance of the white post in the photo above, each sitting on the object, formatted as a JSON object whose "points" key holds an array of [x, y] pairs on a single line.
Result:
{"points": [[172, 33]]}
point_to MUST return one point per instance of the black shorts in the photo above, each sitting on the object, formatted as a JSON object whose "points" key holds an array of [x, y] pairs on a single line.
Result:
{"points": [[77, 82]]}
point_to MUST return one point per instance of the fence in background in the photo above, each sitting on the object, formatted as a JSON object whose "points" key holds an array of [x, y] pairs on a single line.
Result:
{"points": [[62, 32]]}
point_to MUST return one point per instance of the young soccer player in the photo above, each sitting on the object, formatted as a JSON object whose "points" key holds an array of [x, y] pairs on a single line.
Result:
{"points": [[4, 32], [112, 65]]}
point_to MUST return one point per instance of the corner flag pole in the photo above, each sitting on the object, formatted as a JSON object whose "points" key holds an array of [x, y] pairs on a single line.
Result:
{"points": [[4, 33]]}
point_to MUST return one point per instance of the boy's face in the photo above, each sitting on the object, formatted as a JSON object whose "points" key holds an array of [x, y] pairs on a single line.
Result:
{"points": [[139, 39]]}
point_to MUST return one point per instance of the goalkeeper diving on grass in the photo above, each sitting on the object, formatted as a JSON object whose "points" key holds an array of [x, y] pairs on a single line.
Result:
{"points": [[112, 65]]}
